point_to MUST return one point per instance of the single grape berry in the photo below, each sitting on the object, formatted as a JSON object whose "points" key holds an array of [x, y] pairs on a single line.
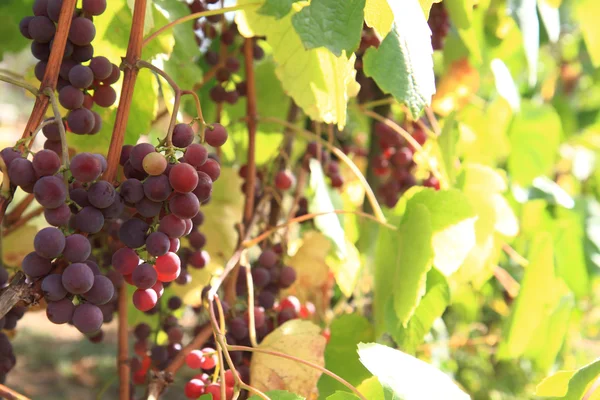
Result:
{"points": [[154, 164], [284, 180], [215, 135], [183, 135]]}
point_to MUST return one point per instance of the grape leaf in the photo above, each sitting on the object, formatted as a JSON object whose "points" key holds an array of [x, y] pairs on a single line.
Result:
{"points": [[148, 18], [407, 51], [447, 141], [505, 84], [278, 395], [320, 202], [551, 19], [534, 136], [371, 388], [588, 13], [319, 82], [570, 254], [461, 15], [569, 385], [405, 377], [379, 16], [452, 223], [531, 309], [431, 307], [525, 13], [11, 13], [298, 338], [335, 25], [342, 396], [276, 8], [347, 331]]}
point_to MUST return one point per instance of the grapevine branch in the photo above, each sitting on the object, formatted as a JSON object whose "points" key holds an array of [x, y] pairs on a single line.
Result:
{"points": [[19, 209], [22, 221], [17, 290], [251, 115], [10, 394], [306, 217], [134, 51]]}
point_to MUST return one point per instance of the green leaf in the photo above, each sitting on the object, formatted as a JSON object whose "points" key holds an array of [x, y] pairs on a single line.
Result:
{"points": [[525, 13], [406, 51], [320, 202], [11, 13], [505, 85], [431, 307], [551, 19], [588, 15], [317, 81], [148, 18], [342, 396], [578, 382], [278, 395], [347, 332], [335, 25], [413, 259], [379, 16], [447, 142], [406, 377], [534, 137], [540, 292], [371, 388], [570, 256], [276, 8], [452, 225], [461, 15]]}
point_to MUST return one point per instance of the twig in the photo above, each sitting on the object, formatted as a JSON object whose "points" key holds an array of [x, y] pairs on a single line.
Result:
{"points": [[507, 281], [194, 16], [53, 67], [20, 83], [19, 209], [39, 128], [301, 361], [433, 121], [377, 103], [514, 255], [198, 108], [306, 217], [134, 51], [22, 221], [10, 394], [251, 114], [63, 135], [17, 290], [340, 154], [251, 320]]}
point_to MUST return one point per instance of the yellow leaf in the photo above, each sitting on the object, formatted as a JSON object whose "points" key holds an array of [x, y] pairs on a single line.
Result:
{"points": [[311, 269], [379, 16], [346, 270], [301, 339], [318, 81], [553, 3]]}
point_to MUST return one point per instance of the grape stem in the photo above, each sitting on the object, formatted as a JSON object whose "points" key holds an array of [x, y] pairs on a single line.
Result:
{"points": [[340, 154], [63, 134], [251, 317], [306, 217], [514, 255], [45, 123], [10, 394], [194, 16], [20, 83], [301, 361], [251, 123], [509, 283]]}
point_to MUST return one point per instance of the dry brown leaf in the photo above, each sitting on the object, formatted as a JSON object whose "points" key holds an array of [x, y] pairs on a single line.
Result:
{"points": [[298, 338]]}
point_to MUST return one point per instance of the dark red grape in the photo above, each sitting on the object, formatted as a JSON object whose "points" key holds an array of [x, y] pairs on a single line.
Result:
{"points": [[41, 29], [232, 64], [35, 265], [59, 216], [105, 96], [41, 51], [157, 188], [60, 312], [197, 240], [50, 192], [82, 31], [81, 76], [94, 7], [215, 135], [132, 191], [125, 260], [78, 278], [70, 97], [183, 135], [89, 220], [49, 243], [45, 163], [9, 154], [85, 167], [82, 53], [144, 299], [81, 121], [199, 259], [261, 277], [53, 288], [21, 172], [114, 75], [144, 276], [101, 194], [137, 154], [183, 178], [87, 318], [184, 205], [211, 168], [168, 267], [195, 155], [287, 277], [148, 208], [172, 226], [157, 244], [102, 291], [133, 233], [97, 123], [77, 248], [24, 26], [284, 180]]}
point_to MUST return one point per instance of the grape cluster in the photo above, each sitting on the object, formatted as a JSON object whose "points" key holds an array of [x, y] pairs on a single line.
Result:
{"points": [[206, 360], [166, 195], [79, 86], [395, 164], [439, 23], [330, 166]]}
